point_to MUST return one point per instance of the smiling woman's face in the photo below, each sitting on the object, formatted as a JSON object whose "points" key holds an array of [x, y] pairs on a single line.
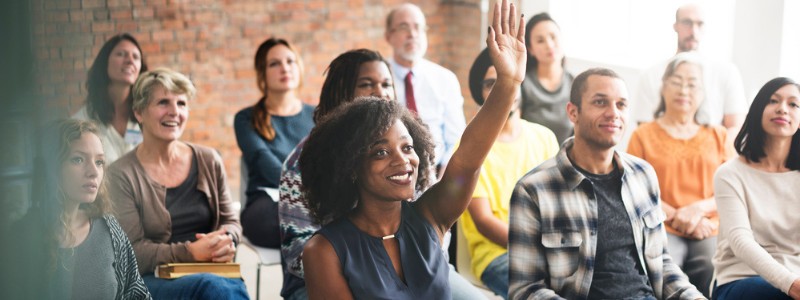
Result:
{"points": [[165, 116], [781, 116], [389, 172]]}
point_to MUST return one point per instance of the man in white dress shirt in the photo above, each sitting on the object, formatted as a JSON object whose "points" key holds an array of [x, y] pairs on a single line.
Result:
{"points": [[725, 102], [436, 96]]}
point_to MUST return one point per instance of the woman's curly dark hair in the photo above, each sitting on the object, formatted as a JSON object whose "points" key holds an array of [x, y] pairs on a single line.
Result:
{"points": [[336, 148]]}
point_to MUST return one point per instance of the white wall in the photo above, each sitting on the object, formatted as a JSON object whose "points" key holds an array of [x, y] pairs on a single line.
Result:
{"points": [[761, 37], [757, 43]]}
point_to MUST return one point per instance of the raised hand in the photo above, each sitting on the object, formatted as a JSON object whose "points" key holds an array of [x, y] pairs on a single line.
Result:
{"points": [[506, 42]]}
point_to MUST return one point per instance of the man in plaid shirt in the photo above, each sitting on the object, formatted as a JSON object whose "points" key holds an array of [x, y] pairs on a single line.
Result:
{"points": [[587, 224]]}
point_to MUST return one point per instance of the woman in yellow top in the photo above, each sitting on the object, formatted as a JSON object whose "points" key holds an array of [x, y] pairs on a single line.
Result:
{"points": [[685, 155], [520, 147]]}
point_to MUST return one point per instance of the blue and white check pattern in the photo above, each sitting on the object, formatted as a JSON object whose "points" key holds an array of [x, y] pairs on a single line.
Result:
{"points": [[553, 231]]}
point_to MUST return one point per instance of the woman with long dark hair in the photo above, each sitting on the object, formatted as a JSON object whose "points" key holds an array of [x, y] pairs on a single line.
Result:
{"points": [[758, 248], [267, 131], [545, 90], [108, 102]]}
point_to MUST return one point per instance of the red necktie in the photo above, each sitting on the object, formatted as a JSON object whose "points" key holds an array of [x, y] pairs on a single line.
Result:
{"points": [[410, 102]]}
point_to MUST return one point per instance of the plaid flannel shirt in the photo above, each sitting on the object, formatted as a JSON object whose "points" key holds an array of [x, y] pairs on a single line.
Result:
{"points": [[553, 231]]}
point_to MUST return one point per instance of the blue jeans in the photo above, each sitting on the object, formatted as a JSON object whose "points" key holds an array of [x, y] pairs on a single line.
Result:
{"points": [[749, 288], [298, 294], [198, 286], [460, 288], [495, 276]]}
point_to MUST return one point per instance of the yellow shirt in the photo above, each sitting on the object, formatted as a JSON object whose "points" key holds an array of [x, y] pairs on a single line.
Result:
{"points": [[685, 168], [505, 164]]}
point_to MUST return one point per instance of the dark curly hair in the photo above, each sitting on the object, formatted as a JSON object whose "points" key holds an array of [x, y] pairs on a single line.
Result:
{"points": [[336, 148], [341, 77], [98, 107], [751, 138]]}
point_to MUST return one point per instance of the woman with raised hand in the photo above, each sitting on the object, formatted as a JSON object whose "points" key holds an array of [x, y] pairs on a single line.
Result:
{"points": [[758, 247], [171, 197], [267, 131], [108, 102], [364, 163], [545, 90], [685, 155], [352, 74]]}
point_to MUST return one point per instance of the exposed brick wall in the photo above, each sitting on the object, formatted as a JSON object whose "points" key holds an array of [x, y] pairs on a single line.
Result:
{"points": [[214, 42]]}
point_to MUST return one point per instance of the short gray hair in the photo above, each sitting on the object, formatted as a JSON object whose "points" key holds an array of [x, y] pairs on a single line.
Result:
{"points": [[172, 81]]}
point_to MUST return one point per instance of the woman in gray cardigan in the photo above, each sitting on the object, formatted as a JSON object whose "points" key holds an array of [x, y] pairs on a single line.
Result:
{"points": [[171, 197]]}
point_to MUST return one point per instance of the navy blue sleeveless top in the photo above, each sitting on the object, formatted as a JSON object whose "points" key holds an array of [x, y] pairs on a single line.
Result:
{"points": [[368, 269]]}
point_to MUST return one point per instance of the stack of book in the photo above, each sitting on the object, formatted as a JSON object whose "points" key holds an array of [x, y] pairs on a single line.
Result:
{"points": [[177, 270]]}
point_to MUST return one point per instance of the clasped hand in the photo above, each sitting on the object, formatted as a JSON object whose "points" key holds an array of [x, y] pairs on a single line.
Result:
{"points": [[215, 246]]}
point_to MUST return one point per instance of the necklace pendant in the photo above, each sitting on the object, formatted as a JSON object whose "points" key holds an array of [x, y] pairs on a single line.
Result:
{"points": [[391, 236]]}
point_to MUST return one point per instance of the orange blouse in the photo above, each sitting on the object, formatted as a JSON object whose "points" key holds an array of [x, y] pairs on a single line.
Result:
{"points": [[685, 167]]}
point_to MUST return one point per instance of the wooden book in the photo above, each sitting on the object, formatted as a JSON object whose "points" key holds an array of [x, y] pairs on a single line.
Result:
{"points": [[177, 270]]}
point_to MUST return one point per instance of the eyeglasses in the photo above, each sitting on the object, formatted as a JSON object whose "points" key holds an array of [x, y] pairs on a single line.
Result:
{"points": [[488, 84], [691, 23], [680, 85], [409, 28]]}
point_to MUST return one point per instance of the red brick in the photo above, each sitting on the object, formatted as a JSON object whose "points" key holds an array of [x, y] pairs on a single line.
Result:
{"points": [[102, 27], [170, 47], [165, 12], [101, 15], [55, 5], [213, 42], [143, 12], [58, 16], [93, 3], [122, 14], [172, 24], [186, 35], [187, 56], [126, 26], [148, 48], [119, 3], [165, 35]]}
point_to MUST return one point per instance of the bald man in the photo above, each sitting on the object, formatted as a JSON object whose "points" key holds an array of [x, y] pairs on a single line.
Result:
{"points": [[424, 86], [725, 102]]}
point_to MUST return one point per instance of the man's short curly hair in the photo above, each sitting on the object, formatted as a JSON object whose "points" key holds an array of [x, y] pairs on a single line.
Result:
{"points": [[337, 147]]}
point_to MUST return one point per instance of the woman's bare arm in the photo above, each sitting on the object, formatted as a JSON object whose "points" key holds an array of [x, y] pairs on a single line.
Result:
{"points": [[443, 203]]}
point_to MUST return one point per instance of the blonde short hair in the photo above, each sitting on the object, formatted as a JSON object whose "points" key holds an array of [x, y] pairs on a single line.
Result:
{"points": [[173, 81]]}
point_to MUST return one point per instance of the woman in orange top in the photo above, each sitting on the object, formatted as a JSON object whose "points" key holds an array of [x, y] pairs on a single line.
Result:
{"points": [[685, 155]]}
